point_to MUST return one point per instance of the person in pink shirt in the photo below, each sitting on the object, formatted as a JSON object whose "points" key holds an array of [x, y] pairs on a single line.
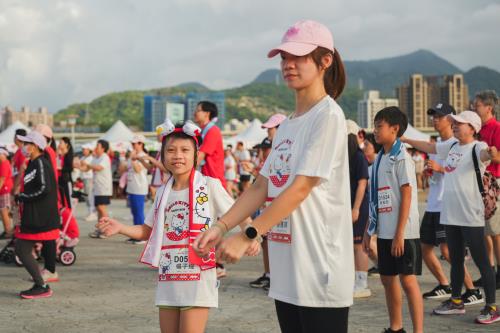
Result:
{"points": [[484, 105], [6, 184]]}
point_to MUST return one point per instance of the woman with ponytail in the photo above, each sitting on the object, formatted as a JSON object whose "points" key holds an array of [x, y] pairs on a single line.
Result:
{"points": [[304, 182]]}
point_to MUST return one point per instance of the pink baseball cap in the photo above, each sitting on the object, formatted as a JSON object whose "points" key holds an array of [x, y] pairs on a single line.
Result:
{"points": [[45, 130], [468, 117], [303, 38], [274, 121]]}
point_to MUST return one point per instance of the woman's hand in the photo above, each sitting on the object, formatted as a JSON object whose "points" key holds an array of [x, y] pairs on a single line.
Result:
{"points": [[254, 249], [233, 248], [207, 240], [108, 226]]}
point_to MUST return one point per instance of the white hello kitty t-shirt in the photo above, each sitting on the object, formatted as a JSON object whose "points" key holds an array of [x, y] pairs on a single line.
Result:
{"points": [[462, 202], [202, 291], [311, 251]]}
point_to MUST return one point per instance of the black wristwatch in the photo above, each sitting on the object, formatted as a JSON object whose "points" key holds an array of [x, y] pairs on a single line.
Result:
{"points": [[252, 234]]}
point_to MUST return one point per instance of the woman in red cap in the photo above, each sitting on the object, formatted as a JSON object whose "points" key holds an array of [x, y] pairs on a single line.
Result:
{"points": [[305, 179]]}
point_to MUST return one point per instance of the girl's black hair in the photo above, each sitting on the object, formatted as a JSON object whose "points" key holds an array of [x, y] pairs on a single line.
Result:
{"points": [[178, 135], [371, 139], [352, 145], [68, 157]]}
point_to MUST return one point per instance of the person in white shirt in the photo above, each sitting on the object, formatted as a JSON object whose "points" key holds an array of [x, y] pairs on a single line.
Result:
{"points": [[243, 159], [87, 178], [137, 182], [230, 171], [305, 179], [103, 181], [462, 212]]}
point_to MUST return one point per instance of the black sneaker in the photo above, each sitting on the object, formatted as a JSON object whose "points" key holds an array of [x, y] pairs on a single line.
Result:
{"points": [[36, 292], [472, 296], [261, 282], [373, 271], [388, 330], [478, 283], [438, 293]]}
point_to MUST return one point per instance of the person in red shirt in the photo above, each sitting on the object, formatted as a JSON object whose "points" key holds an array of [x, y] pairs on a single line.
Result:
{"points": [[484, 105], [6, 185], [211, 153], [19, 162]]}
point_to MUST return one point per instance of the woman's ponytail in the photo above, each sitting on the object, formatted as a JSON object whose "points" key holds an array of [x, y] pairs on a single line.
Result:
{"points": [[335, 77]]}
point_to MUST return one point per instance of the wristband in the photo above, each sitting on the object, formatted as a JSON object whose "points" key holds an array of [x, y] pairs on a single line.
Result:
{"points": [[220, 227], [225, 225]]}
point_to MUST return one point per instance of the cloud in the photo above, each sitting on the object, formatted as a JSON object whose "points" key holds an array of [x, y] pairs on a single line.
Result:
{"points": [[54, 53]]}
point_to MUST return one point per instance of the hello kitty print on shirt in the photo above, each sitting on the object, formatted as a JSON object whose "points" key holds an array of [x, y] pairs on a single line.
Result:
{"points": [[279, 168]]}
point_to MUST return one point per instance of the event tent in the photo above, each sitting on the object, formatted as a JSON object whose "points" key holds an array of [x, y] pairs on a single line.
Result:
{"points": [[7, 135], [252, 135]]}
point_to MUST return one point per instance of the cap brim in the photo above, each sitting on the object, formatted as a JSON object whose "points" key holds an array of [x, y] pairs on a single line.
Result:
{"points": [[24, 138], [459, 119], [269, 125], [294, 48]]}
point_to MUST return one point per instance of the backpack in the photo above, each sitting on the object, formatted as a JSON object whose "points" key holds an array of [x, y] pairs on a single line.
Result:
{"points": [[488, 187]]}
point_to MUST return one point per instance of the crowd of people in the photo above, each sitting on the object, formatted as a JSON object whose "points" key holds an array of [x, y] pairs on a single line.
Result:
{"points": [[288, 197]]}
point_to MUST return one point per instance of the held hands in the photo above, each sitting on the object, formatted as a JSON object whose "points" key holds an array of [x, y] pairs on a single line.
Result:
{"points": [[433, 165], [108, 226], [207, 240]]}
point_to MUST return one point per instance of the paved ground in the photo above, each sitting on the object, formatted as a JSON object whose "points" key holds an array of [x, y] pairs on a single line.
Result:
{"points": [[108, 291]]}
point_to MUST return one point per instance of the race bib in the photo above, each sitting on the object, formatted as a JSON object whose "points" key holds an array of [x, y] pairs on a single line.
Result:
{"points": [[384, 200], [282, 232], [175, 266]]}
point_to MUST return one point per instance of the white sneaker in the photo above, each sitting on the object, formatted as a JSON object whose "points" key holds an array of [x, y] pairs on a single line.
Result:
{"points": [[361, 292], [91, 217]]}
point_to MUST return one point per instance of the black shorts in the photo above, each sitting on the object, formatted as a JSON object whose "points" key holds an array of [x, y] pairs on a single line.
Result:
{"points": [[244, 178], [102, 200], [358, 230], [431, 231], [410, 263]]}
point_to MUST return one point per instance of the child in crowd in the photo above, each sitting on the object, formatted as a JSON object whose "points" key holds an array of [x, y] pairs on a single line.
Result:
{"points": [[394, 217], [462, 212], [185, 206]]}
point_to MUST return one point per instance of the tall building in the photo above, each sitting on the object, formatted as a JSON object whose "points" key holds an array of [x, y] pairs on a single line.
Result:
{"points": [[218, 98], [422, 92], [157, 108], [370, 105], [26, 116]]}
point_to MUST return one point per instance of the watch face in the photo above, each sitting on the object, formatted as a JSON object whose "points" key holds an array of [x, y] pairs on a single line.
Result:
{"points": [[251, 232]]}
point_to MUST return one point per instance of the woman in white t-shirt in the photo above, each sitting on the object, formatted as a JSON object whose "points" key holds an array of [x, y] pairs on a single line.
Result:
{"points": [[186, 205], [230, 171], [305, 179]]}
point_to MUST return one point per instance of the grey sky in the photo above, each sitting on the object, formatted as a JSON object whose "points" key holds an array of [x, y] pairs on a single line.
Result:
{"points": [[54, 53]]}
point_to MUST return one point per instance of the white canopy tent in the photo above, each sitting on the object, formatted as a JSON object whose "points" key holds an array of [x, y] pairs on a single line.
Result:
{"points": [[252, 135], [7, 136]]}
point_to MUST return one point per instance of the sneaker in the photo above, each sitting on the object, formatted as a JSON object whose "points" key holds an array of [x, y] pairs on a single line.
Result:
{"points": [[438, 293], [221, 271], [48, 276], [388, 330], [472, 296], [478, 283], [36, 292], [138, 241], [91, 217], [449, 307], [488, 315], [97, 234], [267, 287], [373, 271], [362, 292], [261, 282]]}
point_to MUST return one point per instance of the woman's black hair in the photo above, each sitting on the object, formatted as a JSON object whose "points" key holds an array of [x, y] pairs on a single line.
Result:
{"points": [[178, 135], [352, 145], [335, 75], [51, 143], [68, 157]]}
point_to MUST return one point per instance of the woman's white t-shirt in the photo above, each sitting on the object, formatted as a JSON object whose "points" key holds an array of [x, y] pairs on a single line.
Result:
{"points": [[230, 168], [137, 182], [462, 201], [202, 292], [312, 262]]}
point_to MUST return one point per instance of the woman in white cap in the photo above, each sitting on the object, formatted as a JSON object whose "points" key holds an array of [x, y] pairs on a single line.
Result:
{"points": [[305, 179], [462, 212], [137, 182], [40, 217]]}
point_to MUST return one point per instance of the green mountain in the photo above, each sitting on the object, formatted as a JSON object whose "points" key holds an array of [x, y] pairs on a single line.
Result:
{"points": [[482, 78]]}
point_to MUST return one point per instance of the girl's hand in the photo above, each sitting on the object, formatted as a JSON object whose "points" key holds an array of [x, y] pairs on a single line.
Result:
{"points": [[207, 240], [367, 239], [253, 250], [108, 226], [233, 248]]}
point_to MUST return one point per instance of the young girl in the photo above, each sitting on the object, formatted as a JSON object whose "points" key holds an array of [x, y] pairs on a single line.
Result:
{"points": [[185, 206], [305, 178], [65, 168], [39, 217], [462, 212]]}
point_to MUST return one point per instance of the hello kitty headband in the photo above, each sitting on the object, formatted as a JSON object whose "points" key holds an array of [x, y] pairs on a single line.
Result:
{"points": [[188, 128]]}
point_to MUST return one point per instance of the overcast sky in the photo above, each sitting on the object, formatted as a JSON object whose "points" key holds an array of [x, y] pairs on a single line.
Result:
{"points": [[54, 53]]}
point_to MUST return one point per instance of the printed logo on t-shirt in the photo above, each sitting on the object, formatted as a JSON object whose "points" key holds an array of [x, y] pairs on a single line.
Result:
{"points": [[176, 221], [201, 207], [452, 161], [279, 168]]}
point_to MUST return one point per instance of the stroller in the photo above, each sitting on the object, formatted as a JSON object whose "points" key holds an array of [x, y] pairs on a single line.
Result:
{"points": [[68, 238]]}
